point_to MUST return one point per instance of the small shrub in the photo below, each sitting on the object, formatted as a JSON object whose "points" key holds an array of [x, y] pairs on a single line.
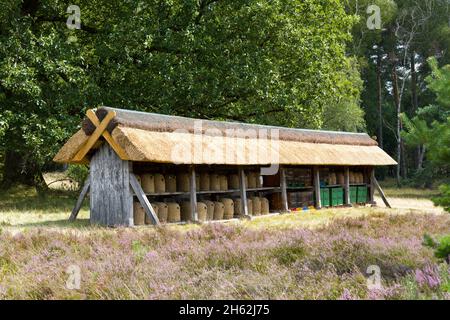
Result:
{"points": [[441, 247], [444, 198]]}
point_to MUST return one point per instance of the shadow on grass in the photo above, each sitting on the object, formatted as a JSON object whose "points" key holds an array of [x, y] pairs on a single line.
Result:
{"points": [[22, 198], [66, 224]]}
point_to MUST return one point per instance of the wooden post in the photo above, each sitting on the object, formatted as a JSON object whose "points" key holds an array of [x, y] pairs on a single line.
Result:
{"points": [[317, 187], [347, 187], [243, 192], [81, 197], [193, 193], [111, 197], [143, 199], [284, 200], [383, 196], [371, 185]]}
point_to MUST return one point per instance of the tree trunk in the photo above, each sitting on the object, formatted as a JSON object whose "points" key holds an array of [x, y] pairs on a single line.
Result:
{"points": [[414, 102], [399, 121], [404, 165], [421, 156], [379, 102]]}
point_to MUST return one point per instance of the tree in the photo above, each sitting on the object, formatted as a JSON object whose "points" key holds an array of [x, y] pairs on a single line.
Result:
{"points": [[436, 138], [271, 62]]}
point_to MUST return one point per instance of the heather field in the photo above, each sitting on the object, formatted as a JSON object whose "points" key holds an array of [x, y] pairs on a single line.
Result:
{"points": [[311, 255]]}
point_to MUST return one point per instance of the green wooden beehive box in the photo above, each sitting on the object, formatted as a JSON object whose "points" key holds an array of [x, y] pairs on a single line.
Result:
{"points": [[325, 197], [337, 196], [362, 194], [353, 194]]}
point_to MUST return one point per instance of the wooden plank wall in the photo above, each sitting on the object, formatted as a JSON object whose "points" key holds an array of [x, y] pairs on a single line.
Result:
{"points": [[111, 198]]}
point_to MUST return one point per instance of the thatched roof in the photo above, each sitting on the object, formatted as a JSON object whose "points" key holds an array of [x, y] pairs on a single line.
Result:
{"points": [[160, 138]]}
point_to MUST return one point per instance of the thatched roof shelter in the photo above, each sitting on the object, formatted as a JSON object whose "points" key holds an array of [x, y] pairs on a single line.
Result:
{"points": [[149, 137]]}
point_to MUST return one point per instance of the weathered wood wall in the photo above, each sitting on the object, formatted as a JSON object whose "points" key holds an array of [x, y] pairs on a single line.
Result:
{"points": [[111, 198]]}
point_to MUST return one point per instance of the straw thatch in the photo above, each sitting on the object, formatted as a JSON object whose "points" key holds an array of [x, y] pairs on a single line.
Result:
{"points": [[166, 139]]}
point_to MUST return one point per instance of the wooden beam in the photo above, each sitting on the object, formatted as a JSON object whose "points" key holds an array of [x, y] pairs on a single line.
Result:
{"points": [[243, 192], [383, 196], [283, 187], [79, 203], [193, 193], [347, 187], [143, 199], [317, 187], [371, 185], [116, 147], [94, 136]]}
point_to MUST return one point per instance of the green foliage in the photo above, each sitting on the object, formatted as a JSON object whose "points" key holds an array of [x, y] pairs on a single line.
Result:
{"points": [[441, 246], [444, 198], [78, 173], [439, 83], [343, 112], [417, 131]]}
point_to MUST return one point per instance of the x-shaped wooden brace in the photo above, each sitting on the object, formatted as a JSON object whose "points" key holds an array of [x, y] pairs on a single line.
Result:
{"points": [[100, 131]]}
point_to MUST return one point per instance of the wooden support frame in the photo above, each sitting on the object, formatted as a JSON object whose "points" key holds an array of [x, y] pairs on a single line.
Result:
{"points": [[243, 192], [79, 203], [283, 187], [371, 185], [316, 175], [193, 193], [99, 132], [347, 201], [135, 185], [383, 196]]}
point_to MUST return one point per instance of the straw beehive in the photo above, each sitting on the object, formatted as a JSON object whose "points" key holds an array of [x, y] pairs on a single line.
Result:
{"points": [[233, 182], [156, 209], [183, 182], [332, 178], [264, 206], [160, 183], [219, 210], [228, 208], [204, 181], [138, 214], [258, 180], [238, 207], [223, 182], [214, 182], [340, 178], [252, 177], [256, 201], [163, 211], [202, 210], [210, 209], [174, 213], [148, 183], [186, 214], [171, 183]]}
